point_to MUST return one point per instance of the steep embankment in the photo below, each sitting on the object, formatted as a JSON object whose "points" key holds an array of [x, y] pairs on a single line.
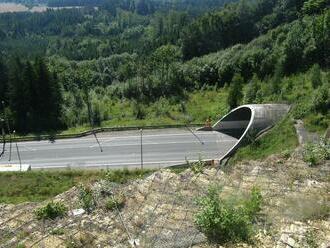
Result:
{"points": [[158, 211]]}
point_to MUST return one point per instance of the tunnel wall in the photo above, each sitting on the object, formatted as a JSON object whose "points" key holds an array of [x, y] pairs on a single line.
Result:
{"points": [[249, 121]]}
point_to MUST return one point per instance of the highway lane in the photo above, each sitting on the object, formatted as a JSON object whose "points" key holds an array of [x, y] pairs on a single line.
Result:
{"points": [[122, 149]]}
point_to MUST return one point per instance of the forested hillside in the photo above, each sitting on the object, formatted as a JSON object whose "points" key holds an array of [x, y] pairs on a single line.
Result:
{"points": [[131, 61]]}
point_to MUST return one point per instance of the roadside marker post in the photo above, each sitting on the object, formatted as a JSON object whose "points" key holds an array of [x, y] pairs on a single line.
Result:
{"points": [[141, 145], [3, 138], [18, 154]]}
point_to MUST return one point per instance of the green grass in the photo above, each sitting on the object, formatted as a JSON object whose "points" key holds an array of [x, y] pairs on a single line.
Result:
{"points": [[279, 139], [317, 123], [125, 175], [197, 108], [35, 186]]}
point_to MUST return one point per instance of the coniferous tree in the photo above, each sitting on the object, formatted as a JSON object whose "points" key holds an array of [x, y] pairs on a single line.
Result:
{"points": [[18, 95], [3, 82], [49, 97], [29, 77]]}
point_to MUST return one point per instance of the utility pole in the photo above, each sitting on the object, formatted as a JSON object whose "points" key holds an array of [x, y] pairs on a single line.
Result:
{"points": [[141, 145], [18, 154]]}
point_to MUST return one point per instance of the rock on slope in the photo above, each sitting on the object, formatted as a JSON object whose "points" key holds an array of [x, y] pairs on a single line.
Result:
{"points": [[159, 209]]}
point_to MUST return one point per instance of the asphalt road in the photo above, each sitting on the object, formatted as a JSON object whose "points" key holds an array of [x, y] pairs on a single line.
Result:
{"points": [[122, 149]]}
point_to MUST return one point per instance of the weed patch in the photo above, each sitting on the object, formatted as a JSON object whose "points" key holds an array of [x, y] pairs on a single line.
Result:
{"points": [[51, 211], [86, 198], [315, 153], [115, 202], [125, 175]]}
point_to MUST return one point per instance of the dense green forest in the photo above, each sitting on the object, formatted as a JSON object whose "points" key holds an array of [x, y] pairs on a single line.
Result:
{"points": [[138, 61]]}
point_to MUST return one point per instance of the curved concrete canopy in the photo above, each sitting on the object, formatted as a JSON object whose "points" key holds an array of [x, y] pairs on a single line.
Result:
{"points": [[249, 121]]}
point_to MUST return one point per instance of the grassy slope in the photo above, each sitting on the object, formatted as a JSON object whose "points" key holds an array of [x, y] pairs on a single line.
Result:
{"points": [[197, 108], [35, 186], [297, 91], [281, 138]]}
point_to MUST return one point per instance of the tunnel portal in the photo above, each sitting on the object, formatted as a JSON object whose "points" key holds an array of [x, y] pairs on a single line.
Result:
{"points": [[249, 121]]}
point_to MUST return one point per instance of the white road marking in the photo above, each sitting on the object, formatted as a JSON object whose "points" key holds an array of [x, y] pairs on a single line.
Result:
{"points": [[155, 143], [27, 148]]}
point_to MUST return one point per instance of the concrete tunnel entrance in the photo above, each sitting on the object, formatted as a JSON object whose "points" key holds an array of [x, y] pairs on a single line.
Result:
{"points": [[249, 121], [235, 123]]}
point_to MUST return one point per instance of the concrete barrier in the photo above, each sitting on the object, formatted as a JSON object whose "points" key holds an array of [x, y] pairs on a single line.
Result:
{"points": [[14, 167]]}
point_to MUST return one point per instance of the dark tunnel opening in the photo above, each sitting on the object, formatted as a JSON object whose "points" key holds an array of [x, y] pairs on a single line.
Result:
{"points": [[235, 123]]}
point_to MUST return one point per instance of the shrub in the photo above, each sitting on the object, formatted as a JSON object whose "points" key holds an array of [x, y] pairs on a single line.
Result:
{"points": [[115, 202], [311, 239], [315, 153], [253, 87], [225, 221], [96, 116], [123, 176], [198, 167], [253, 205], [86, 240], [139, 110], [316, 77], [286, 154], [321, 99], [316, 122], [51, 211], [235, 94], [57, 231], [86, 198], [301, 109]]}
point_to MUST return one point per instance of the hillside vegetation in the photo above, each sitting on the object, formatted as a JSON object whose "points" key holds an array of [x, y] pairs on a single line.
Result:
{"points": [[145, 63], [153, 62]]}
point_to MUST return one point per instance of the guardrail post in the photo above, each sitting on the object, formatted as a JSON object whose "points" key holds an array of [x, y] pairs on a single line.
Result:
{"points": [[141, 145]]}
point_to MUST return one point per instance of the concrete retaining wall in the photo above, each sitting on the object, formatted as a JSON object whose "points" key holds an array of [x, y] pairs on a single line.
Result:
{"points": [[250, 121]]}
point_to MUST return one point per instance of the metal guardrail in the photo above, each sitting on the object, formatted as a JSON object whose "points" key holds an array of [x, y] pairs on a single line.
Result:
{"points": [[98, 130]]}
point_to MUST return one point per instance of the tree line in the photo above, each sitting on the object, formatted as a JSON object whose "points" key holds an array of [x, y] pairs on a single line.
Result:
{"points": [[31, 95], [144, 58]]}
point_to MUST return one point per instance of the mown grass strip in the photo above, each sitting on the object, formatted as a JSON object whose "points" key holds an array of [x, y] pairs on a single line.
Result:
{"points": [[35, 186]]}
